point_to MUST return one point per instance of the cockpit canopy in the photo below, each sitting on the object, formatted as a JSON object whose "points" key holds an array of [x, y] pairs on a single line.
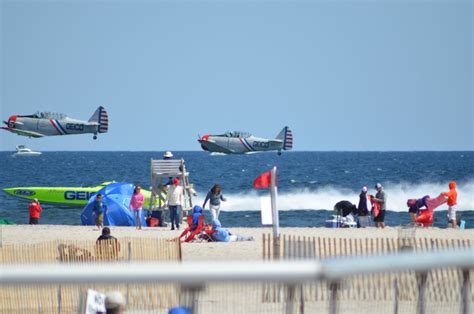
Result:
{"points": [[46, 115], [238, 134]]}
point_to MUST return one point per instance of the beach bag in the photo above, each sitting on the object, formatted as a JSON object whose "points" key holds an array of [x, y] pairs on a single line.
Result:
{"points": [[152, 222]]}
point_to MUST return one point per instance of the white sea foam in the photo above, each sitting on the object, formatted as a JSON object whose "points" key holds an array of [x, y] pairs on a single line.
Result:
{"points": [[326, 197]]}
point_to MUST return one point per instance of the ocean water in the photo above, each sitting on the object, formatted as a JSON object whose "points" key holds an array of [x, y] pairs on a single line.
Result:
{"points": [[310, 183]]}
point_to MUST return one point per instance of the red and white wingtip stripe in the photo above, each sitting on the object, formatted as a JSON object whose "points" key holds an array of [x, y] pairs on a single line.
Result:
{"points": [[288, 139]]}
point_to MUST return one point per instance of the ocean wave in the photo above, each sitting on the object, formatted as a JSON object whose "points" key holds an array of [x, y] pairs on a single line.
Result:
{"points": [[326, 197]]}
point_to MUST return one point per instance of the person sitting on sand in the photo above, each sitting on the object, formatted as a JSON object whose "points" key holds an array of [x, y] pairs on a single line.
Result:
{"points": [[452, 196], [223, 235], [107, 246], [105, 235], [415, 205]]}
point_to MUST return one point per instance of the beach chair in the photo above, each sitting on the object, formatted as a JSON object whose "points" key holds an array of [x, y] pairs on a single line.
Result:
{"points": [[185, 232], [206, 234], [188, 235]]}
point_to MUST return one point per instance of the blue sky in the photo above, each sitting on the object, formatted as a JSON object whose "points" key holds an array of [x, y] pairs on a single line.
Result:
{"points": [[344, 75]]}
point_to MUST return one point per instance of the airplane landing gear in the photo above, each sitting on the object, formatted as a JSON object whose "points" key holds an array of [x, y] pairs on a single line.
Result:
{"points": [[279, 153], [94, 137]]}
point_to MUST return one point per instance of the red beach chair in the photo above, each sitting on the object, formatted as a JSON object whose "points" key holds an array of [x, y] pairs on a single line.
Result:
{"points": [[189, 234]]}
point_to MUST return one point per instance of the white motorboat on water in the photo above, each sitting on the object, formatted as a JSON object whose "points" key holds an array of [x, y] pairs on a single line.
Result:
{"points": [[22, 150]]}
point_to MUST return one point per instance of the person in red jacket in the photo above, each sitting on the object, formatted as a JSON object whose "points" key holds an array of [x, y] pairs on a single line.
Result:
{"points": [[35, 210]]}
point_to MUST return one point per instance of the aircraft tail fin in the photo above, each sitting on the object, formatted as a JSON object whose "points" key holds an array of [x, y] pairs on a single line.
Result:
{"points": [[100, 116], [286, 135]]}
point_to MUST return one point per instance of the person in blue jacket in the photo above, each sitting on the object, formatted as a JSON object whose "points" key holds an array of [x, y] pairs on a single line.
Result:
{"points": [[98, 210], [223, 235], [415, 205], [197, 212]]}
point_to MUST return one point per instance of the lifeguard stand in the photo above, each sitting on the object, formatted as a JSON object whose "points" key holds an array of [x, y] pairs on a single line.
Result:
{"points": [[161, 172]]}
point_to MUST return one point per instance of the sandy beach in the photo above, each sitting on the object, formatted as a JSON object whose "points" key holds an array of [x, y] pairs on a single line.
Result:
{"points": [[23, 234]]}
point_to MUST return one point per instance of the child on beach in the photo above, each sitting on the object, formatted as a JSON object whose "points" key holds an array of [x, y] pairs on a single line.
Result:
{"points": [[452, 196], [98, 210], [136, 203], [214, 197]]}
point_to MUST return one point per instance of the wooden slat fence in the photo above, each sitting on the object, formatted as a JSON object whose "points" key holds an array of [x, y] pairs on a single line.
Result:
{"points": [[443, 285], [68, 298]]}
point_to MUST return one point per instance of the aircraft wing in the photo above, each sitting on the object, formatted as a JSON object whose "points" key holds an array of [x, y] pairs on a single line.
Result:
{"points": [[23, 132]]}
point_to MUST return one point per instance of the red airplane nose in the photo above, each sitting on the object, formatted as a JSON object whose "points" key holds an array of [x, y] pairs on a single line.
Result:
{"points": [[205, 138], [11, 121]]}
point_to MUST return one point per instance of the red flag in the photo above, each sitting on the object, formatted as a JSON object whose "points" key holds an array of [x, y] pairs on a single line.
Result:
{"points": [[263, 181]]}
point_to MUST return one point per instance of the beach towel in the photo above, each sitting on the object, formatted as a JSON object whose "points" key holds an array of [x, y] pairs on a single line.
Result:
{"points": [[375, 206], [433, 203]]}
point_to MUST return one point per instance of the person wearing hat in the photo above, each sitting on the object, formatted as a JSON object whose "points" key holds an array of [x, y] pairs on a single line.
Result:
{"points": [[167, 155], [381, 198], [415, 205], [114, 302], [362, 209], [174, 199], [35, 211]]}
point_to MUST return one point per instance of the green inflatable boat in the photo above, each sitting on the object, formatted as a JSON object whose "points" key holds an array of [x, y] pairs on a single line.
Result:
{"points": [[64, 195]]}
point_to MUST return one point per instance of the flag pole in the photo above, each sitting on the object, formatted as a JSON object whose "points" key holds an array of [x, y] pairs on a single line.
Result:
{"points": [[275, 219]]}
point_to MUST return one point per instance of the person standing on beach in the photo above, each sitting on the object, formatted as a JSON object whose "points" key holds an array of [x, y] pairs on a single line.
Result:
{"points": [[136, 204], [381, 198], [452, 196], [214, 197], [98, 211], [362, 209], [35, 211], [174, 198]]}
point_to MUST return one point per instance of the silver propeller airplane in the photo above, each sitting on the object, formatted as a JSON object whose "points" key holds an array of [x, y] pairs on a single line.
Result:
{"points": [[48, 124], [243, 143]]}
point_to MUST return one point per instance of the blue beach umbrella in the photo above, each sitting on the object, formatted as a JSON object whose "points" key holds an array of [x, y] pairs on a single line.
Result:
{"points": [[116, 198]]}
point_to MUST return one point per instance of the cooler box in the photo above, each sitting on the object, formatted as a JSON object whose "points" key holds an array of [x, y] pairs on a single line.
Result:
{"points": [[332, 223]]}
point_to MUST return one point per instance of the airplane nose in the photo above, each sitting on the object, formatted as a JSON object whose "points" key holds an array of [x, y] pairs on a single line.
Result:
{"points": [[205, 137], [11, 121]]}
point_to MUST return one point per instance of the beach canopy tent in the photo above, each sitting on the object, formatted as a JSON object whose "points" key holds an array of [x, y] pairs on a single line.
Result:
{"points": [[116, 198]]}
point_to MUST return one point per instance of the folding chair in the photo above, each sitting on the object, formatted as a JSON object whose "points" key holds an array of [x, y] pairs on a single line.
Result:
{"points": [[185, 232], [190, 234]]}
